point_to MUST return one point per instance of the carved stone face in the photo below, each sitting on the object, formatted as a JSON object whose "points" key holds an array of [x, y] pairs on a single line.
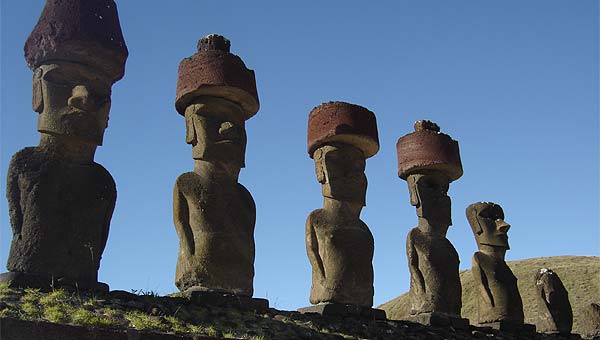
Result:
{"points": [[341, 171], [429, 194], [487, 222], [215, 138], [73, 100]]}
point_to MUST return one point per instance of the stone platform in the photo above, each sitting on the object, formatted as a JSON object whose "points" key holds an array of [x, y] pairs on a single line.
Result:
{"points": [[213, 299], [510, 326], [47, 283], [439, 320], [338, 309]]}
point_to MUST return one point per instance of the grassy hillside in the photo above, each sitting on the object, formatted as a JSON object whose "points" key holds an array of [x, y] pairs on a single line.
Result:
{"points": [[580, 275]]}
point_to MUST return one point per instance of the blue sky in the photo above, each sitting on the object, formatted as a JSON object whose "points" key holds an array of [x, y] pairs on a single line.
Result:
{"points": [[515, 82]]}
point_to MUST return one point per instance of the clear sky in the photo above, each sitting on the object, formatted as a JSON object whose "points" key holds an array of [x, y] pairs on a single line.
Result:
{"points": [[515, 82]]}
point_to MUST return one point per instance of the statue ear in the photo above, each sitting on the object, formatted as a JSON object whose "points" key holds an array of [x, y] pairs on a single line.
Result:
{"points": [[318, 157], [190, 129], [478, 228], [413, 190], [37, 99]]}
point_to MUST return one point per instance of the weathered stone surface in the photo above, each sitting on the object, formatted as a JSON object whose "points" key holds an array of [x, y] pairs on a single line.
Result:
{"points": [[499, 299], [591, 321], [554, 309], [60, 201], [428, 149], [214, 215], [342, 310], [343, 123], [432, 260], [216, 72], [82, 31], [338, 244]]}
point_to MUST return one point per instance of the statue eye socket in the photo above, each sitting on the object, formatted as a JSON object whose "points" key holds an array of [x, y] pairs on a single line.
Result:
{"points": [[55, 79]]}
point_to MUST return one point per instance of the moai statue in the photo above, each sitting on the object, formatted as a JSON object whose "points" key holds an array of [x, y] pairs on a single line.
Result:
{"points": [[60, 200], [341, 136], [499, 303], [429, 160], [214, 215], [554, 309], [589, 320]]}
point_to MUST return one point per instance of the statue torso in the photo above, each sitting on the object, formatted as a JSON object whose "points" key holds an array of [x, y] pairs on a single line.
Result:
{"points": [[221, 219], [502, 283], [61, 213], [345, 247], [438, 261]]}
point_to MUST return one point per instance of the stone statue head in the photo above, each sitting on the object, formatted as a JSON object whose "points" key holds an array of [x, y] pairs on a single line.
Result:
{"points": [[216, 132], [340, 169], [76, 51], [429, 194], [488, 225], [72, 100]]}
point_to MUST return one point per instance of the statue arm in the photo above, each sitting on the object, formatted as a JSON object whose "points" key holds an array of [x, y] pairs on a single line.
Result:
{"points": [[251, 211], [482, 281], [181, 219], [416, 276], [13, 193], [312, 248], [112, 200]]}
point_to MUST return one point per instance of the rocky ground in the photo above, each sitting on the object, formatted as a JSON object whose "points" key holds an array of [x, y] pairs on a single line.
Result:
{"points": [[147, 312]]}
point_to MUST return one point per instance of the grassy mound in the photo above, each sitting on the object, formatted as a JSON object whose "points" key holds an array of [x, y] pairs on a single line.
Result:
{"points": [[579, 274]]}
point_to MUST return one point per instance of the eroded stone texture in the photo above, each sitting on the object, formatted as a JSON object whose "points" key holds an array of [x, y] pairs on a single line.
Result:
{"points": [[60, 200], [339, 245], [214, 215], [554, 309], [429, 160], [498, 299]]}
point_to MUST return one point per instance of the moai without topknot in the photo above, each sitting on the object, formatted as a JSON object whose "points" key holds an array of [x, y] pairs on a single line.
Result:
{"points": [[341, 136], [499, 303], [60, 200], [554, 313], [214, 215], [429, 160]]}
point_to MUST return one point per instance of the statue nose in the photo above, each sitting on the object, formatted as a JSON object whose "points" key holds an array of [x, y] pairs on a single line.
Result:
{"points": [[81, 98], [502, 226]]}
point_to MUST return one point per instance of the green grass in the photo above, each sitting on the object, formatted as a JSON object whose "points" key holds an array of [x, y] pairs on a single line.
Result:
{"points": [[579, 274]]}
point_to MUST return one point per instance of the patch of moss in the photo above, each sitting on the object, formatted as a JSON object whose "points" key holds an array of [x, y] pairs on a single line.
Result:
{"points": [[84, 317], [145, 322], [30, 311], [6, 291], [31, 295]]}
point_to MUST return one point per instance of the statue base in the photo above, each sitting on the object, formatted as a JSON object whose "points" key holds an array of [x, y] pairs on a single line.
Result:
{"points": [[48, 283], [214, 299], [509, 326], [339, 309], [439, 320]]}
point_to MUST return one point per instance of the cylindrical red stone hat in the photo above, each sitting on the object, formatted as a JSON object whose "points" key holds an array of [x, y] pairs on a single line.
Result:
{"points": [[344, 123], [213, 71], [428, 149], [81, 31]]}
